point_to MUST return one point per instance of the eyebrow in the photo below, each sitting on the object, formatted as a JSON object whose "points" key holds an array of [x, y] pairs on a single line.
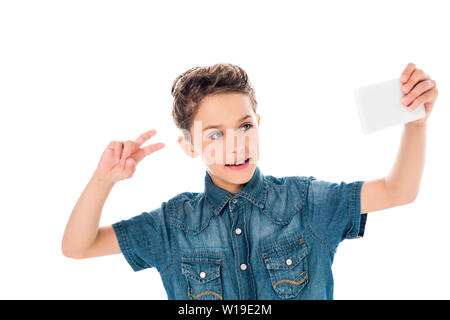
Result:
{"points": [[219, 126]]}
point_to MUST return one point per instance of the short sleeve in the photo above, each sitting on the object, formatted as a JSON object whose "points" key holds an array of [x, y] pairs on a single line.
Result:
{"points": [[334, 211], [145, 239]]}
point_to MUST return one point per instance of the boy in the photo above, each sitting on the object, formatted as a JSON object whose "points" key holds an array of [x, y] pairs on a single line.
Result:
{"points": [[248, 235]]}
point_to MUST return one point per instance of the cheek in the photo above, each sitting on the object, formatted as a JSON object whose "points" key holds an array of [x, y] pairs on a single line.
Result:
{"points": [[252, 141], [212, 152]]}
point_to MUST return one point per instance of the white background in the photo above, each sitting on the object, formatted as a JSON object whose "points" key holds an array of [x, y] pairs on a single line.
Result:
{"points": [[76, 75]]}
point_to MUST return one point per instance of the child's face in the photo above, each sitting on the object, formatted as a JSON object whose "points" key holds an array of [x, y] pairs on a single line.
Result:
{"points": [[225, 131]]}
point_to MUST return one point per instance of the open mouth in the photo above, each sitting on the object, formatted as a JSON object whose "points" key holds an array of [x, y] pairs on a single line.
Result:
{"points": [[242, 164]]}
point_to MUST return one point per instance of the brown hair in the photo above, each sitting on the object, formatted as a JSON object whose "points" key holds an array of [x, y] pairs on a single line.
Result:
{"points": [[189, 88]]}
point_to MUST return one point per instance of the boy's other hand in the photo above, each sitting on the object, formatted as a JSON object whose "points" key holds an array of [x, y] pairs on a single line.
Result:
{"points": [[119, 160]]}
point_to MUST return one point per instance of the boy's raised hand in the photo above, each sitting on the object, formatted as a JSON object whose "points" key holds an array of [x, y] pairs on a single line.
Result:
{"points": [[418, 88], [119, 160]]}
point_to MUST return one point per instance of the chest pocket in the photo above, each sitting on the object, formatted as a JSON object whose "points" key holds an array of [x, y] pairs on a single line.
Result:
{"points": [[203, 276], [287, 265]]}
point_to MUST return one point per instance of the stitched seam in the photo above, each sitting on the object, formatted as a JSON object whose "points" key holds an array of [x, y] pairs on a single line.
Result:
{"points": [[292, 211], [215, 262], [175, 250], [175, 236], [285, 266], [292, 282], [279, 242], [297, 283], [240, 273], [205, 292], [248, 254], [215, 209], [183, 227], [308, 225], [248, 196], [128, 247], [263, 254], [274, 184], [271, 217], [216, 275], [296, 243], [350, 212], [263, 195], [194, 276], [223, 203], [352, 209], [314, 235], [206, 253], [171, 262]]}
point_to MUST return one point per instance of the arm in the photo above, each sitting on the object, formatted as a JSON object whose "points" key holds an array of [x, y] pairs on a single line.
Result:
{"points": [[81, 233], [403, 181], [402, 184], [82, 237]]}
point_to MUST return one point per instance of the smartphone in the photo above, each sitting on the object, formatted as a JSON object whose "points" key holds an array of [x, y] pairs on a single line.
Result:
{"points": [[380, 107]]}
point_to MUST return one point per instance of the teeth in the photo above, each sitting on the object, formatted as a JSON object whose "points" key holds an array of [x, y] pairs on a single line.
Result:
{"points": [[237, 164]]}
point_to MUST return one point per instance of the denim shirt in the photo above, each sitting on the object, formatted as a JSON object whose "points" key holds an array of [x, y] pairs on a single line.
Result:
{"points": [[275, 239]]}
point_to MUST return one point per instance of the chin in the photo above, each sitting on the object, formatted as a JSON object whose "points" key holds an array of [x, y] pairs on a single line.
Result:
{"points": [[232, 176], [239, 176]]}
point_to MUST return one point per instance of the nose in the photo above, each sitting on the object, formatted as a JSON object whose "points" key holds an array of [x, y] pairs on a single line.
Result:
{"points": [[239, 146]]}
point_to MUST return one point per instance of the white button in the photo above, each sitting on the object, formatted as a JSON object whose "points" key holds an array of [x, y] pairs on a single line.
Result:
{"points": [[202, 275], [238, 230], [243, 266], [288, 261], [234, 200]]}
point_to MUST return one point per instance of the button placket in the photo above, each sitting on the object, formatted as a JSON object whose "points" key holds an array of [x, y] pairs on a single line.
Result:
{"points": [[240, 248]]}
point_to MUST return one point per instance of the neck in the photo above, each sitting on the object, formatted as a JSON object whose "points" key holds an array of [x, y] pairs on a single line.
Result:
{"points": [[230, 187]]}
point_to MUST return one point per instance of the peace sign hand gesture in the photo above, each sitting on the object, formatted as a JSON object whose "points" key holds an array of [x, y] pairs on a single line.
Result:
{"points": [[119, 160]]}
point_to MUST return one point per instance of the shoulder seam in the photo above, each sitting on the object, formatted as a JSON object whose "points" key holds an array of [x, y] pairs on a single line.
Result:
{"points": [[171, 236], [310, 206]]}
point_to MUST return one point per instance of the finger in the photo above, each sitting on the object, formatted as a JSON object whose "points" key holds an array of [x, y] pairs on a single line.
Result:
{"points": [[129, 167], [417, 75], [130, 164], [116, 146], [149, 150], [427, 96], [144, 137], [128, 148], [407, 72], [420, 88], [108, 155]]}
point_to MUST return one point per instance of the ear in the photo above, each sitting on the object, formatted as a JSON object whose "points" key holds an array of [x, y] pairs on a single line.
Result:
{"points": [[187, 147]]}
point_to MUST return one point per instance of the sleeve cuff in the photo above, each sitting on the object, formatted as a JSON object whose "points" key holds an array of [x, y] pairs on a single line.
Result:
{"points": [[125, 246], [358, 220]]}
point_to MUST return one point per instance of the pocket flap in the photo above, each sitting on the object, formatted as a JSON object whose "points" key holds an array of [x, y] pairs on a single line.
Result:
{"points": [[284, 255], [202, 269]]}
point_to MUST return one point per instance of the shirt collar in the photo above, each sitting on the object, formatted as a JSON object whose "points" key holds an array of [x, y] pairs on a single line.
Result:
{"points": [[254, 191]]}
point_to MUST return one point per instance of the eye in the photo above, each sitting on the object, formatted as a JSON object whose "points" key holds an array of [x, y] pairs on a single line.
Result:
{"points": [[247, 124], [214, 137]]}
